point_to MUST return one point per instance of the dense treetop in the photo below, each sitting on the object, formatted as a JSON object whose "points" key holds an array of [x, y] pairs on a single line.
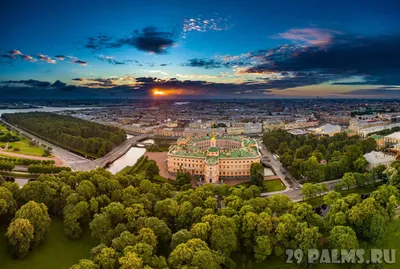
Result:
{"points": [[140, 224], [319, 158], [84, 137]]}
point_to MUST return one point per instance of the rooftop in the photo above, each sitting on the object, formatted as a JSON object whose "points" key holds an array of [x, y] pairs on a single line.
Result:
{"points": [[186, 147], [395, 135], [377, 157]]}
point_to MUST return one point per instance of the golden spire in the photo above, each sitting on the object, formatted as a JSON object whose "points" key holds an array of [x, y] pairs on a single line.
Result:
{"points": [[212, 132]]}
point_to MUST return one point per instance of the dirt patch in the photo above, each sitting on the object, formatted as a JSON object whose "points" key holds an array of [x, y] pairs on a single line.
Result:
{"points": [[161, 159]]}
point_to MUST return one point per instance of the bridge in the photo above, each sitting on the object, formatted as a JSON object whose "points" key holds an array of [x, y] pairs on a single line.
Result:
{"points": [[79, 163]]}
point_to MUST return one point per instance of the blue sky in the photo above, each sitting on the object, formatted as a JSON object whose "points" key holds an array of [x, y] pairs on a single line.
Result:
{"points": [[241, 49]]}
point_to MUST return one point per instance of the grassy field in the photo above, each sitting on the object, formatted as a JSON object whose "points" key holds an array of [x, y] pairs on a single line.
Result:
{"points": [[273, 185], [23, 145], [269, 185], [55, 252]]}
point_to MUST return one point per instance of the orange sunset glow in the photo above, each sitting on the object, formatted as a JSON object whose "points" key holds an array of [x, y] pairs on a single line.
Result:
{"points": [[157, 92]]}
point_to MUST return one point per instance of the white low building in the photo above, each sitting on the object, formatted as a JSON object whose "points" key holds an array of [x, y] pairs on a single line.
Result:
{"points": [[375, 158], [393, 138], [328, 129]]}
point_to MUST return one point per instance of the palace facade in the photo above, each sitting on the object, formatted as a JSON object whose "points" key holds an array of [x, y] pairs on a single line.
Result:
{"points": [[214, 158]]}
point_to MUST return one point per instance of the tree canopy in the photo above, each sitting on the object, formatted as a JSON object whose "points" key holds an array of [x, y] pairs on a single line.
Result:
{"points": [[81, 136]]}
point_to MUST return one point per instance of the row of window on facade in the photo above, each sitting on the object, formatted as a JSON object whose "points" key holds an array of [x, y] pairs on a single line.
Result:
{"points": [[239, 173], [222, 161]]}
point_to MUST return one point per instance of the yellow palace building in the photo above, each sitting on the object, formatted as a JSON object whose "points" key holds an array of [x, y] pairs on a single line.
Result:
{"points": [[215, 157]]}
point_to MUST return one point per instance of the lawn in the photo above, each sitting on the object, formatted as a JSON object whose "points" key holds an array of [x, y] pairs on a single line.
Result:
{"points": [[273, 185], [269, 185], [24, 147], [56, 251]]}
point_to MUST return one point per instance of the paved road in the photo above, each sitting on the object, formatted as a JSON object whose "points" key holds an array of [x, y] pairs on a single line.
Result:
{"points": [[78, 163], [295, 194], [293, 187], [268, 158]]}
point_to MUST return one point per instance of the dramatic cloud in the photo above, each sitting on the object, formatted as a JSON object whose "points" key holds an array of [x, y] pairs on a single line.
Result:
{"points": [[204, 63], [373, 58], [28, 58], [46, 58], [310, 36], [113, 61], [60, 57], [200, 24], [149, 39], [30, 82], [80, 62], [12, 55]]}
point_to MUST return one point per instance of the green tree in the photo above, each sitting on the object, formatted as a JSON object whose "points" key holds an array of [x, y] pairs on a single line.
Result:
{"points": [[194, 254], [107, 258], [20, 237], [349, 180], [86, 189], [38, 217], [8, 205], [131, 261], [85, 264], [256, 174], [360, 165], [183, 178], [343, 237], [180, 237]]}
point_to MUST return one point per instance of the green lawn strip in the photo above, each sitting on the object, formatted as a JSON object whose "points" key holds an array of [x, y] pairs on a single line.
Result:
{"points": [[268, 185], [273, 185], [124, 171], [57, 251], [24, 147]]}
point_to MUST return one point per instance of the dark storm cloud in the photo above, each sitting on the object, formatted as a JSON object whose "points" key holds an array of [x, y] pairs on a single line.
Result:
{"points": [[375, 58], [127, 86], [203, 63], [60, 57], [147, 83], [149, 39], [30, 82], [80, 62]]}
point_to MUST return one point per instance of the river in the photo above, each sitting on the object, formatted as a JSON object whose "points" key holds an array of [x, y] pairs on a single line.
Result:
{"points": [[43, 109], [129, 158]]}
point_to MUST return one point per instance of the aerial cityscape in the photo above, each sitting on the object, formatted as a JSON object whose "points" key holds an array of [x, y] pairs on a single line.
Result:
{"points": [[202, 134]]}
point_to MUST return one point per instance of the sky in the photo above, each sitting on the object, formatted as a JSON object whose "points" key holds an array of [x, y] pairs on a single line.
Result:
{"points": [[199, 49]]}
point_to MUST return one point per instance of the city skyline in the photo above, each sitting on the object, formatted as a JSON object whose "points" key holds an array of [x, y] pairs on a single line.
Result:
{"points": [[201, 49]]}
